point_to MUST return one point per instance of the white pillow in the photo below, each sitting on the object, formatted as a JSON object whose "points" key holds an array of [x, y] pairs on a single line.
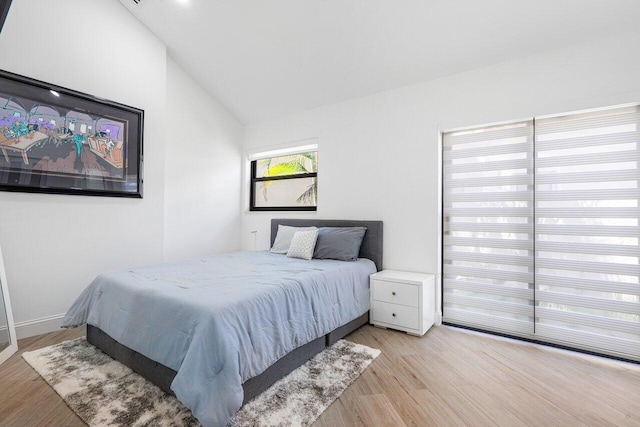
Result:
{"points": [[302, 244], [283, 238]]}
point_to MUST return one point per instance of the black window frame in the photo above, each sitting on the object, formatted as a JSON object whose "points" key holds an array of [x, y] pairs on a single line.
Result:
{"points": [[255, 180]]}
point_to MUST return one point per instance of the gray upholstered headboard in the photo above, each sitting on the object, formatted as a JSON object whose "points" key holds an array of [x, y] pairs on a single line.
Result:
{"points": [[371, 244]]}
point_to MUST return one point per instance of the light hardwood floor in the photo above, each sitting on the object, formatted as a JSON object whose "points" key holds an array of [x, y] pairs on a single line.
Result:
{"points": [[448, 377]]}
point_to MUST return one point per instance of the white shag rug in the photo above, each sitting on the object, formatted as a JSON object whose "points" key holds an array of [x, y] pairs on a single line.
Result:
{"points": [[104, 392]]}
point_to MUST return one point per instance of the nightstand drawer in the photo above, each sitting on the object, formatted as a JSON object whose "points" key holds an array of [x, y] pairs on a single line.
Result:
{"points": [[396, 293], [397, 315]]}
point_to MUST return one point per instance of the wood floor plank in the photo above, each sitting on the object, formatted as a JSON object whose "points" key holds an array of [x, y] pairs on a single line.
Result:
{"points": [[25, 398], [448, 377], [377, 410]]}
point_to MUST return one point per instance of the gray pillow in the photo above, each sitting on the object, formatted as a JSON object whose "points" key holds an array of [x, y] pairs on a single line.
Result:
{"points": [[341, 243]]}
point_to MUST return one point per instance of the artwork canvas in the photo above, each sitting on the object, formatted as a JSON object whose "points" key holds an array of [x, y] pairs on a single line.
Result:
{"points": [[4, 11], [56, 140]]}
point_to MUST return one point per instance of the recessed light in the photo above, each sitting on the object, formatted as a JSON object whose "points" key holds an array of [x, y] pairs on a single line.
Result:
{"points": [[53, 92]]}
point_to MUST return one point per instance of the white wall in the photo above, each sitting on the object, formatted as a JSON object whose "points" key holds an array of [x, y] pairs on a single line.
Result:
{"points": [[379, 155], [203, 169], [55, 245]]}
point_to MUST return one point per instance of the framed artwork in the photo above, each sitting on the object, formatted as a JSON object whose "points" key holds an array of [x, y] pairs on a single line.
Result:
{"points": [[4, 11], [56, 140]]}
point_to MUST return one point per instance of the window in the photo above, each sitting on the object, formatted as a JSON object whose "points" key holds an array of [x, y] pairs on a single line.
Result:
{"points": [[285, 182], [488, 228], [542, 228]]}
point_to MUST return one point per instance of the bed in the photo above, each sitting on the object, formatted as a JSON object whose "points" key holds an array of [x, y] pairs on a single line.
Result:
{"points": [[278, 313]]}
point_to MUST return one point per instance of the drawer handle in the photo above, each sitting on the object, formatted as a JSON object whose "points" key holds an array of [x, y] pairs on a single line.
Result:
{"points": [[393, 293], [394, 315]]}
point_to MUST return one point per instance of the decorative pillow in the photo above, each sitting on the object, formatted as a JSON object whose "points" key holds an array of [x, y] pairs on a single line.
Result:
{"points": [[341, 243], [302, 244], [283, 238]]}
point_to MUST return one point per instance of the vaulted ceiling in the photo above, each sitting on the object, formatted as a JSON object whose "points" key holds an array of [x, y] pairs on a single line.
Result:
{"points": [[266, 58]]}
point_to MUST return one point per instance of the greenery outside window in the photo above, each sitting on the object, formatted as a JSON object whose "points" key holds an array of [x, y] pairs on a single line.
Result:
{"points": [[285, 183]]}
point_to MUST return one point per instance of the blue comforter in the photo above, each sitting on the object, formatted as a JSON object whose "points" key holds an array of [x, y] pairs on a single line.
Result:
{"points": [[221, 320]]}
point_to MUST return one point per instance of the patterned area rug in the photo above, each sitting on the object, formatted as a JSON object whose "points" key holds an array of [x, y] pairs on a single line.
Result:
{"points": [[104, 392]]}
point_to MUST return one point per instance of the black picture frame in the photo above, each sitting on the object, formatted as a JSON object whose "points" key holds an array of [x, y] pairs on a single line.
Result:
{"points": [[4, 11], [60, 141]]}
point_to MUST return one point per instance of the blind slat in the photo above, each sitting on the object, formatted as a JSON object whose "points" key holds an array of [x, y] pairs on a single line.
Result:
{"points": [[519, 244], [498, 196], [492, 323], [581, 319], [483, 288], [587, 302], [521, 147], [487, 134], [493, 181], [489, 227], [511, 276], [587, 121], [584, 248], [612, 194], [525, 261], [491, 304], [588, 266], [490, 212], [587, 230], [590, 213], [588, 141], [588, 284], [581, 177], [488, 166], [588, 159]]}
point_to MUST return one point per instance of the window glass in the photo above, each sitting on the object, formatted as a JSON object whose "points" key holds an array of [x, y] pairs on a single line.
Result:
{"points": [[287, 165], [285, 182]]}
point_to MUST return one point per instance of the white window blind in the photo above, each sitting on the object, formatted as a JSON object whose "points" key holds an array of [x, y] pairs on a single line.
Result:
{"points": [[587, 248], [542, 235], [488, 228]]}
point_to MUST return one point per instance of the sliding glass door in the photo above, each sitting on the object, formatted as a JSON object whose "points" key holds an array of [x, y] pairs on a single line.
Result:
{"points": [[587, 231], [488, 228], [542, 241]]}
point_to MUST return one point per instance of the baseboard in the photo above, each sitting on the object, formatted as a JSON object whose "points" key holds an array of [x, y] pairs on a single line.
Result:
{"points": [[40, 326]]}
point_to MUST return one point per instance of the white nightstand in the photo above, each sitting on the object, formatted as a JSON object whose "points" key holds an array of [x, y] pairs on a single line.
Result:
{"points": [[402, 300]]}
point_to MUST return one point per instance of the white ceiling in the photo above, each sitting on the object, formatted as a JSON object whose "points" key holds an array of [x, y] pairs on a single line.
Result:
{"points": [[266, 58]]}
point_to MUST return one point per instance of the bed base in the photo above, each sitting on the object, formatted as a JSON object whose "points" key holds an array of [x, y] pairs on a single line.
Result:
{"points": [[162, 376]]}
